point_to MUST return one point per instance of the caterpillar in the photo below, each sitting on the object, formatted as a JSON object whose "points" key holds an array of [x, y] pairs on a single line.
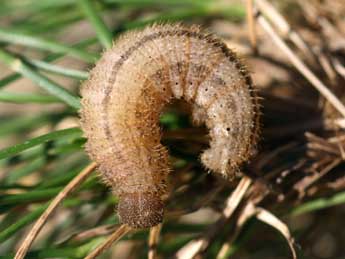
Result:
{"points": [[124, 97]]}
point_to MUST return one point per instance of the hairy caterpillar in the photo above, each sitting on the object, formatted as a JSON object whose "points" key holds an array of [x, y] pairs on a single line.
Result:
{"points": [[127, 90]]}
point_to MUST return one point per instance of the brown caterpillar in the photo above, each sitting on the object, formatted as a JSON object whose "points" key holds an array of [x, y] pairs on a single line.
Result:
{"points": [[124, 97]]}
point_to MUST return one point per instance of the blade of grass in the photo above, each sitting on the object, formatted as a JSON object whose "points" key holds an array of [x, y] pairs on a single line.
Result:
{"points": [[244, 235], [77, 145], [10, 151], [9, 79], [11, 124], [13, 77], [32, 6], [43, 44], [30, 217], [171, 16], [26, 98], [103, 33], [26, 169], [27, 219], [233, 12], [175, 243], [73, 73], [28, 197], [318, 204], [164, 3], [302, 67], [53, 88], [62, 179], [6, 187], [49, 22], [65, 252]]}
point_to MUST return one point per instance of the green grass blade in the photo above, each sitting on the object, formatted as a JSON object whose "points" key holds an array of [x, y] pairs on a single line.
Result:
{"points": [[103, 33], [10, 151], [12, 125], [12, 200], [38, 43], [161, 3], [26, 98], [27, 219], [53, 88], [47, 22], [318, 204], [9, 79], [30, 217], [74, 73], [13, 77], [9, 7], [65, 252], [25, 170]]}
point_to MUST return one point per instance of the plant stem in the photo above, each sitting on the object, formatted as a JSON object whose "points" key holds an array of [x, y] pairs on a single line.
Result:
{"points": [[103, 33]]}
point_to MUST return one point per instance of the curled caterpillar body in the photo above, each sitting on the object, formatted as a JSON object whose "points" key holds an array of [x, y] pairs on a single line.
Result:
{"points": [[124, 97]]}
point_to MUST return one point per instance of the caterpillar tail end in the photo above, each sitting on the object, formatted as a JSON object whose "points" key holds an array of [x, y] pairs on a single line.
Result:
{"points": [[140, 210]]}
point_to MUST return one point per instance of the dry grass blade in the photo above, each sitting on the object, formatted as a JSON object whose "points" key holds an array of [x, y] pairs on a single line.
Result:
{"points": [[251, 25], [338, 67], [196, 246], [267, 217], [23, 249], [325, 63], [247, 212], [153, 241], [276, 18], [301, 67], [196, 206], [232, 202], [280, 22], [88, 234], [120, 232], [307, 181], [263, 215], [192, 248], [340, 123]]}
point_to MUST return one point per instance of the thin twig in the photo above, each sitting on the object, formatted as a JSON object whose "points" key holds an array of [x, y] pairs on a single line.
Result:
{"points": [[251, 25], [301, 67], [120, 232], [153, 241], [81, 177]]}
